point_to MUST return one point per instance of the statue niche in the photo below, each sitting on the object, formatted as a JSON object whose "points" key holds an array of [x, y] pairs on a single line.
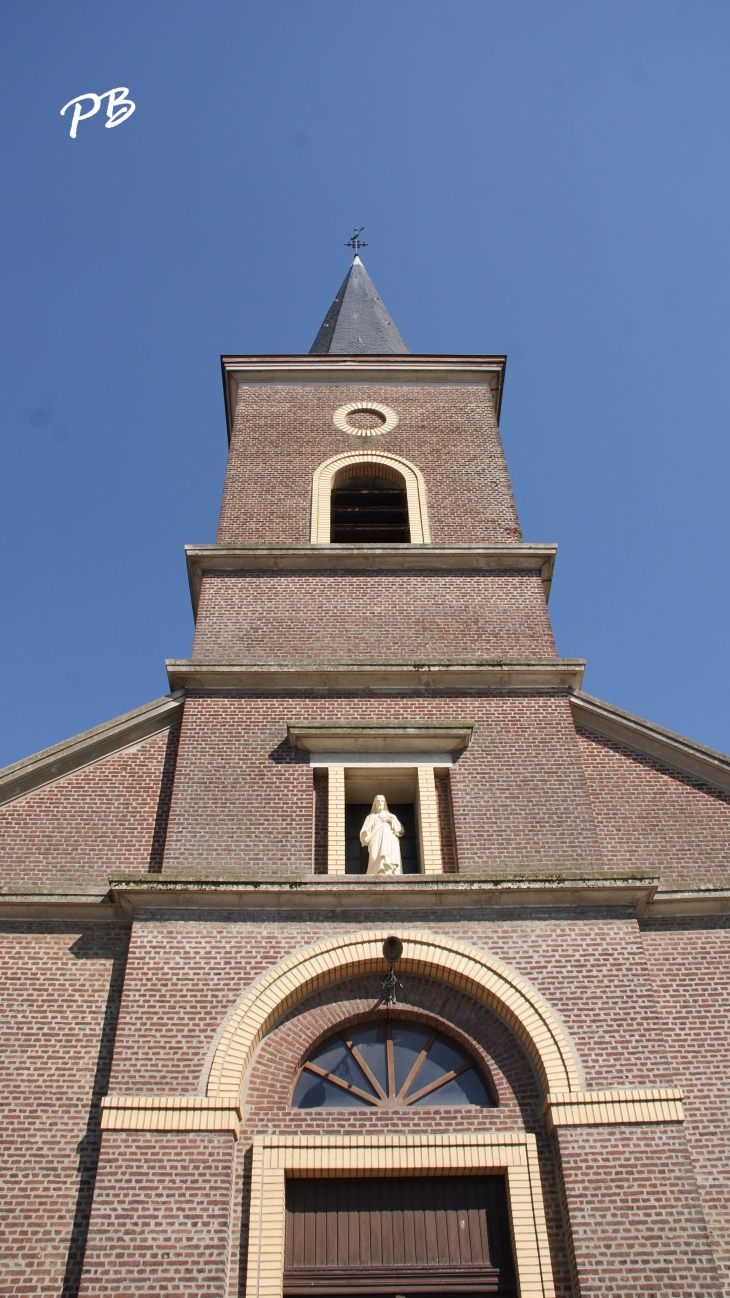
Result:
{"points": [[380, 834]]}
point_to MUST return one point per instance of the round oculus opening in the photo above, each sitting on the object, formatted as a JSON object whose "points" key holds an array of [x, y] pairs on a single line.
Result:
{"points": [[365, 419]]}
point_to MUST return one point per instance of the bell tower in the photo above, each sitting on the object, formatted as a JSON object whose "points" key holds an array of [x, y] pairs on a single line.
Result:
{"points": [[369, 622]]}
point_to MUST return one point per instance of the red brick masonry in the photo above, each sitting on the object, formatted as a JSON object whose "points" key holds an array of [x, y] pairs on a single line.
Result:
{"points": [[372, 617], [105, 818], [283, 433], [519, 792]]}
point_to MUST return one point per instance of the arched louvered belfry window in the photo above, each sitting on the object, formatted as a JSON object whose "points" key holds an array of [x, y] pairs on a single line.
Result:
{"points": [[397, 511], [389, 1063], [370, 508]]}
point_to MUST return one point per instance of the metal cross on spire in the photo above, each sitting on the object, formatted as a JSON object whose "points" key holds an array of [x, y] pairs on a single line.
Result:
{"points": [[356, 242]]}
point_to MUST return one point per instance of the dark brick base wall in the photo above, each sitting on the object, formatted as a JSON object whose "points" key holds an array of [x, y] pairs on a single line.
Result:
{"points": [[161, 1214], [690, 964], [636, 1220], [61, 985]]}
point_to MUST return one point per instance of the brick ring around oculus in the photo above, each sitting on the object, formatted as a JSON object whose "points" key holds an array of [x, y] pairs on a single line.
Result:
{"points": [[365, 418]]}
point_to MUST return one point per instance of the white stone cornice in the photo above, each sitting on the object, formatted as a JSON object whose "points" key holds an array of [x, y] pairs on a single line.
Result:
{"points": [[689, 901], [457, 559], [89, 747], [528, 674], [328, 895], [675, 750]]}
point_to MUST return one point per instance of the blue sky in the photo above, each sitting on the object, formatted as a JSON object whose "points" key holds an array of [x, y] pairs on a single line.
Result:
{"points": [[545, 179]]}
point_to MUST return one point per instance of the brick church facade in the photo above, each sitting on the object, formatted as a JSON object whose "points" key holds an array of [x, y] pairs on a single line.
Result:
{"points": [[208, 1089]]}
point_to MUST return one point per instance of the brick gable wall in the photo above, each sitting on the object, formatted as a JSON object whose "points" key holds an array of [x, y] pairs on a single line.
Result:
{"points": [[282, 433], [650, 817], [110, 817]]}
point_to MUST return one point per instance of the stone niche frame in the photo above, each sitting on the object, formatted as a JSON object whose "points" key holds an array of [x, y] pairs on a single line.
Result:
{"points": [[426, 805], [513, 1155], [421, 747]]}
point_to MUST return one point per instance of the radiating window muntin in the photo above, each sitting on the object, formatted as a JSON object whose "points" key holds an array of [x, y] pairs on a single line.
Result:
{"points": [[389, 1064]]}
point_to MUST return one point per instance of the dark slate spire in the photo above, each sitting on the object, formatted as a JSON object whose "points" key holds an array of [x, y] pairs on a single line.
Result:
{"points": [[357, 323]]}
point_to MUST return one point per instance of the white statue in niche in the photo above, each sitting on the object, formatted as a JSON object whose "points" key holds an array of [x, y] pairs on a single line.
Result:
{"points": [[380, 835]]}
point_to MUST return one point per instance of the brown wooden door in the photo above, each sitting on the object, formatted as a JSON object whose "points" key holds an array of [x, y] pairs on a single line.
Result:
{"points": [[407, 1235]]}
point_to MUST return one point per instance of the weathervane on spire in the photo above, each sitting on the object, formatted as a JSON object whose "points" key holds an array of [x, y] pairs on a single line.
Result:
{"points": [[355, 242]]}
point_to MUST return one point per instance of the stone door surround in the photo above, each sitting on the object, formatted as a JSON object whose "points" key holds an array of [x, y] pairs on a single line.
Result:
{"points": [[512, 1155]]}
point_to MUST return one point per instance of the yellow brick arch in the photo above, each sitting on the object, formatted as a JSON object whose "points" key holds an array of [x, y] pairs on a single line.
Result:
{"points": [[390, 466], [513, 998]]}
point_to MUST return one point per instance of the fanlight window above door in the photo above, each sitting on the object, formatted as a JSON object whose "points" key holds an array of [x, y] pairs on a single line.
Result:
{"points": [[389, 1064]]}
